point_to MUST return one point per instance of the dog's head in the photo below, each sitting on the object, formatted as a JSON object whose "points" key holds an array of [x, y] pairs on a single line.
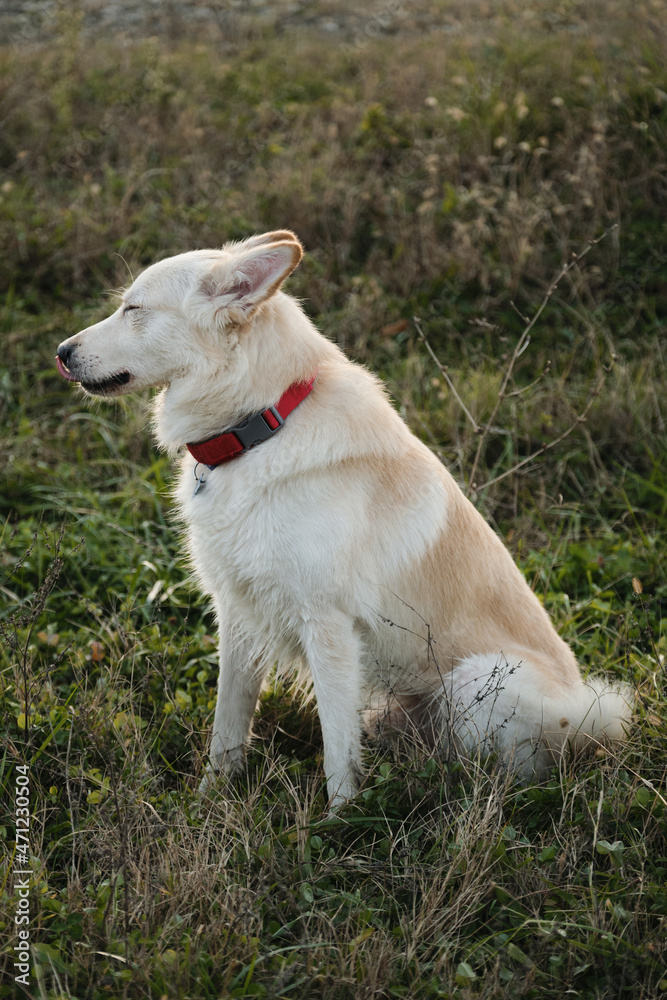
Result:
{"points": [[157, 331]]}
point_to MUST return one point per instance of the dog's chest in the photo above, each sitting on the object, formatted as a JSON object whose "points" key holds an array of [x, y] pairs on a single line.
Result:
{"points": [[289, 544], [247, 539], [225, 514]]}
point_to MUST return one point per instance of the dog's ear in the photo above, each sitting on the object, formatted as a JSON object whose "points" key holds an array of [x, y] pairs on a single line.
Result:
{"points": [[255, 272], [278, 236], [260, 271]]}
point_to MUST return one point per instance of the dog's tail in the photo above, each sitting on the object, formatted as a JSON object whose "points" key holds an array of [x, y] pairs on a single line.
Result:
{"points": [[487, 704], [602, 712], [506, 709]]}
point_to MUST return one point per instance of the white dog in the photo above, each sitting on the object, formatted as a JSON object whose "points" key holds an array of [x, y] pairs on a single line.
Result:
{"points": [[339, 542]]}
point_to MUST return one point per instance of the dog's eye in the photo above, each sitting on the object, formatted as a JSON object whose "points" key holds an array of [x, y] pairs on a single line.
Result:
{"points": [[127, 308]]}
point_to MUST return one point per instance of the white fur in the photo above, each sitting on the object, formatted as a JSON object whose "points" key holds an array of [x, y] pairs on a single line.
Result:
{"points": [[342, 543]]}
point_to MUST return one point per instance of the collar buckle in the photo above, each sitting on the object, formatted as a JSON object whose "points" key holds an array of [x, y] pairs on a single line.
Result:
{"points": [[257, 428]]}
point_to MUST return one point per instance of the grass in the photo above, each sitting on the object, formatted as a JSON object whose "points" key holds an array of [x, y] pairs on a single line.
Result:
{"points": [[446, 176]]}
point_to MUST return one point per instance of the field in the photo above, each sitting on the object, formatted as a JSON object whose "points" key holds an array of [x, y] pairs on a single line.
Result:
{"points": [[482, 194]]}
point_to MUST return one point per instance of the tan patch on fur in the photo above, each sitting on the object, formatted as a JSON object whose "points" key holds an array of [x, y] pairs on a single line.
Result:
{"points": [[477, 601], [398, 483]]}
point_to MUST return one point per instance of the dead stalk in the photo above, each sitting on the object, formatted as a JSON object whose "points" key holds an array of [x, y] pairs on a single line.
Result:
{"points": [[552, 444], [524, 340], [445, 375]]}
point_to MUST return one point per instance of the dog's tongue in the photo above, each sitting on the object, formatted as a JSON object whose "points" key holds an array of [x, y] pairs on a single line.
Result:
{"points": [[64, 371]]}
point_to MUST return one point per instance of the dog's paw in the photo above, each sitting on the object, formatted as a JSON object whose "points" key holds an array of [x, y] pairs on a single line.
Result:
{"points": [[342, 797], [209, 780], [219, 765]]}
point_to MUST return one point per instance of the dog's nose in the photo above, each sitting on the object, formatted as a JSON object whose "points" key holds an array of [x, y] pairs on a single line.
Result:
{"points": [[65, 352], [65, 359]]}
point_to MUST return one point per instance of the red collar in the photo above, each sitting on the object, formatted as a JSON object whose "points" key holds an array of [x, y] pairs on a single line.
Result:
{"points": [[255, 429]]}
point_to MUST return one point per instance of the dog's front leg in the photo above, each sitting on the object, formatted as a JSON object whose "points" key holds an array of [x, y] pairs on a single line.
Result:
{"points": [[239, 683], [333, 651]]}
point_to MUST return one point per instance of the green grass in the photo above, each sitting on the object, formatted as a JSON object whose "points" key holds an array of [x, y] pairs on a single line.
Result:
{"points": [[441, 879]]}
